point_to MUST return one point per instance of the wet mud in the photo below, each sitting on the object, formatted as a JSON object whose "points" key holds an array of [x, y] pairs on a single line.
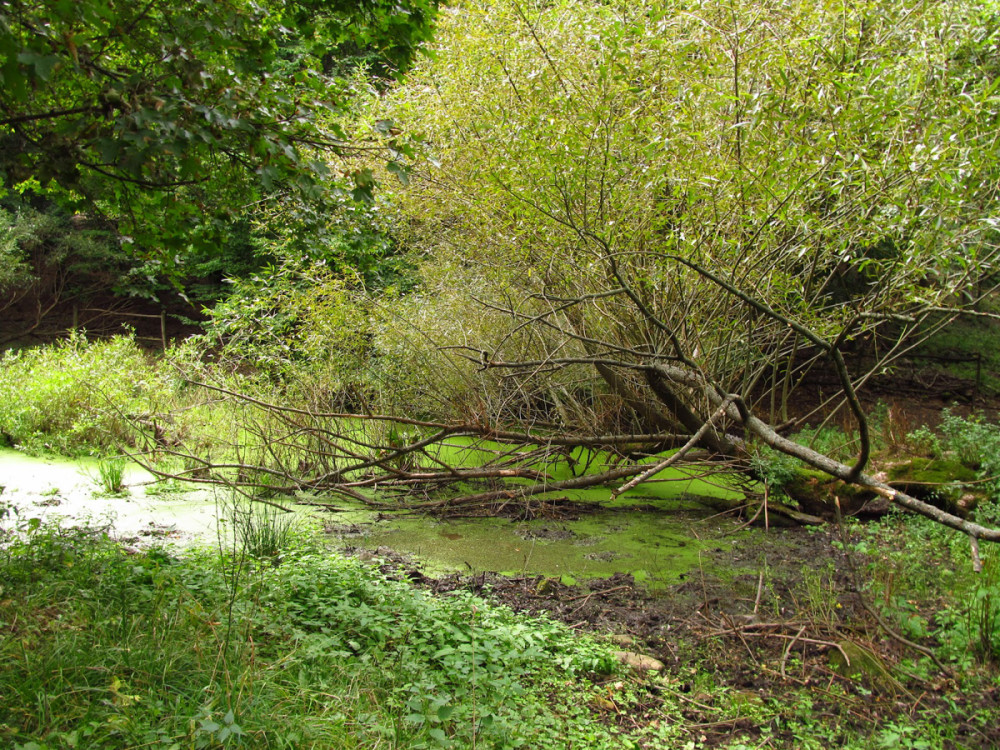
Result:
{"points": [[764, 615]]}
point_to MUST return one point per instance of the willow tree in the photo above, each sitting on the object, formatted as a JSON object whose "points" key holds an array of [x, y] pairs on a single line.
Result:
{"points": [[696, 204]]}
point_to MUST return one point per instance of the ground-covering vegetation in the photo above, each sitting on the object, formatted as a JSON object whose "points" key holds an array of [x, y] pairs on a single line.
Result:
{"points": [[76, 397], [76, 588], [271, 640], [108, 647]]}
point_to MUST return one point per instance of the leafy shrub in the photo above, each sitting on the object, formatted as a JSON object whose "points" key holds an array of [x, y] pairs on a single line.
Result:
{"points": [[974, 441], [14, 269], [972, 625], [775, 469], [924, 442], [76, 396]]}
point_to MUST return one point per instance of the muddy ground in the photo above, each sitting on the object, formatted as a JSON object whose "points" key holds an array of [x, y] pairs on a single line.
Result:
{"points": [[779, 626]]}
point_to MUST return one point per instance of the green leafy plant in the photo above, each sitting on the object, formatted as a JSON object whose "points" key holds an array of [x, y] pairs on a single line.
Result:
{"points": [[76, 397], [111, 475], [924, 441], [262, 530], [138, 123], [973, 440], [325, 652], [775, 469], [971, 627]]}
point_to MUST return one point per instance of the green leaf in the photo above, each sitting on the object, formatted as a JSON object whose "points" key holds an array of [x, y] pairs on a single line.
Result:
{"points": [[41, 64], [400, 170], [444, 712], [439, 736]]}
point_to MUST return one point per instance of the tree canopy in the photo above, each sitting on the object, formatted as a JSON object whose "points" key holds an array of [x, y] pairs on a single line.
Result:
{"points": [[720, 186], [687, 208], [173, 117]]}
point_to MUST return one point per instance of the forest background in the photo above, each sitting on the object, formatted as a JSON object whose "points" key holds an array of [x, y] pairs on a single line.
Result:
{"points": [[659, 233]]}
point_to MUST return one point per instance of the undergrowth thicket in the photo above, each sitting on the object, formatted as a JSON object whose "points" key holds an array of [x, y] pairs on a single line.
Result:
{"points": [[94, 397], [921, 578], [77, 396]]}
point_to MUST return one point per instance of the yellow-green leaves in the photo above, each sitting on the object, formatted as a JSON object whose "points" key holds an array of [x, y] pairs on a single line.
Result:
{"points": [[830, 160]]}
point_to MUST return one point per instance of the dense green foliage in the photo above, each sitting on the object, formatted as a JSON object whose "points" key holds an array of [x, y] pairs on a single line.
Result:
{"points": [[289, 320], [77, 396], [53, 261], [679, 182], [14, 269], [172, 148], [173, 118], [45, 248], [941, 598], [210, 650], [738, 189]]}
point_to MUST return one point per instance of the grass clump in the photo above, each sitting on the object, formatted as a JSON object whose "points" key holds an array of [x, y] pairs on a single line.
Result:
{"points": [[107, 648], [110, 477], [260, 530]]}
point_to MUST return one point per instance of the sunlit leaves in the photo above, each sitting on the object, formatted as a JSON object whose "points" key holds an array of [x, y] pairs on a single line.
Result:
{"points": [[833, 160]]}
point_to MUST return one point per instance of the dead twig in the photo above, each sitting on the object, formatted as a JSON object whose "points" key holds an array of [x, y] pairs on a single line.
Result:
{"points": [[788, 650], [592, 593]]}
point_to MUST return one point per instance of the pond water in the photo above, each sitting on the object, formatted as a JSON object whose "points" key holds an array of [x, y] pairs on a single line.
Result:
{"points": [[653, 547], [68, 491], [656, 533]]}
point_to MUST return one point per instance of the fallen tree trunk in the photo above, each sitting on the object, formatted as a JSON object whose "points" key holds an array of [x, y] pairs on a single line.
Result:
{"points": [[737, 410], [334, 455]]}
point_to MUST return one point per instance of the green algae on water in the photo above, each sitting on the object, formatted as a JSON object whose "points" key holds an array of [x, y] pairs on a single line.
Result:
{"points": [[655, 548]]}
